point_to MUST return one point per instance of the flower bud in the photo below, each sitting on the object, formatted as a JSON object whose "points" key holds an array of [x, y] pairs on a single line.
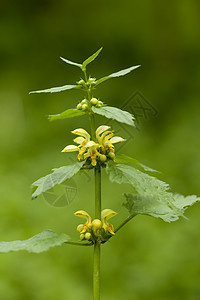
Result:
{"points": [[79, 228], [79, 106], [82, 236], [93, 101], [82, 82], [91, 80], [99, 104], [87, 236], [96, 223], [84, 101], [84, 106], [111, 155], [103, 158]]}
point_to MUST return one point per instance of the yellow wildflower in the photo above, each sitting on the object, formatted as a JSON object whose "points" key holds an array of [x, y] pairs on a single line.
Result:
{"points": [[106, 214], [85, 215]]}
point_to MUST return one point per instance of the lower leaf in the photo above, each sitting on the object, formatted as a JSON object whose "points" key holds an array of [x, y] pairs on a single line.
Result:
{"points": [[38, 243]]}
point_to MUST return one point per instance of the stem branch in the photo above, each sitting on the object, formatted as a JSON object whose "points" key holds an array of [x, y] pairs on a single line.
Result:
{"points": [[124, 222]]}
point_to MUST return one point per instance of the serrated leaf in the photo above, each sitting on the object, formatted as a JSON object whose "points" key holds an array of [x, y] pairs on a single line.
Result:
{"points": [[124, 159], [91, 58], [58, 176], [69, 113], [115, 113], [57, 89], [71, 62], [117, 74], [137, 204], [38, 243], [147, 188]]}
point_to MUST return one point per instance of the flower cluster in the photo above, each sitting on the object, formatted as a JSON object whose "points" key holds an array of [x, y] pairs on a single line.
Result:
{"points": [[100, 151], [86, 104], [96, 230]]}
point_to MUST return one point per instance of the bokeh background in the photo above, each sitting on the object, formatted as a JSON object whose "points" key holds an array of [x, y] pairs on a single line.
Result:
{"points": [[148, 259]]}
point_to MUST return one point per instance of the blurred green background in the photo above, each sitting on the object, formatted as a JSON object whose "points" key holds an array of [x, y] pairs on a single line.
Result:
{"points": [[148, 259]]}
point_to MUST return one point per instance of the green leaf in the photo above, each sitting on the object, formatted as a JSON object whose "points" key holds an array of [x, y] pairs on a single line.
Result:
{"points": [[91, 58], [36, 244], [117, 74], [147, 188], [115, 113], [124, 159], [138, 204], [71, 62], [57, 89], [69, 113], [58, 176]]}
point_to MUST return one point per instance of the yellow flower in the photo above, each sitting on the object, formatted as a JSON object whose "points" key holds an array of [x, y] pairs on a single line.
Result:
{"points": [[85, 215], [106, 214], [106, 140], [82, 140], [92, 152], [103, 148]]}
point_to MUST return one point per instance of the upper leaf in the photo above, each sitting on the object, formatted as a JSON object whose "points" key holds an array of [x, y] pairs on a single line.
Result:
{"points": [[149, 189], [91, 58], [124, 159], [36, 244], [57, 89], [117, 74], [115, 113], [69, 113], [71, 62], [58, 176]]}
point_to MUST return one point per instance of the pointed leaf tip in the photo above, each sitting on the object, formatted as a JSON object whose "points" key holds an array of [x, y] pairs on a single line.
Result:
{"points": [[71, 62], [91, 58], [117, 74]]}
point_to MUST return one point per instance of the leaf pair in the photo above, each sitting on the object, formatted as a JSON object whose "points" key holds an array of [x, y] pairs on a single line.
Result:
{"points": [[83, 68], [106, 111], [85, 63]]}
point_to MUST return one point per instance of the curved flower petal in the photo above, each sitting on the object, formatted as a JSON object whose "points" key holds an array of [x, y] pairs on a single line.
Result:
{"points": [[106, 214], [91, 144], [70, 148], [79, 140], [101, 129], [83, 214], [116, 139], [82, 132]]}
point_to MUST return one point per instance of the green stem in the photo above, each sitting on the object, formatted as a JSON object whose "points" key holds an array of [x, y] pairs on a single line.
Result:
{"points": [[92, 125], [97, 245], [124, 222]]}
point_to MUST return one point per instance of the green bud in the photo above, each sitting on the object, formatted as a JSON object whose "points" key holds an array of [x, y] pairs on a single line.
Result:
{"points": [[82, 236], [84, 106], [111, 155], [79, 106], [84, 101], [79, 228], [103, 158], [82, 82], [99, 104], [93, 101], [96, 223], [91, 80], [88, 236]]}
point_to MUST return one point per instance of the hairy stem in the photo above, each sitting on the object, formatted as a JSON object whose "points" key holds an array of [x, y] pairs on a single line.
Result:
{"points": [[97, 245]]}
